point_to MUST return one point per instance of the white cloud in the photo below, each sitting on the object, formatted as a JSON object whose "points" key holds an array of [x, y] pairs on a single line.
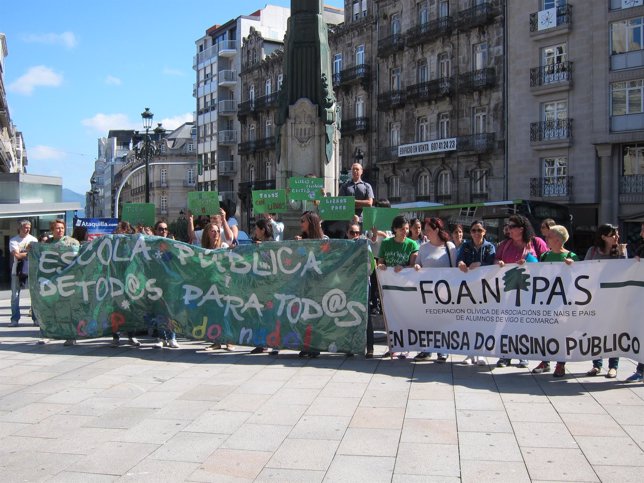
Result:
{"points": [[173, 72], [35, 77], [104, 122], [110, 80], [40, 152], [66, 39], [176, 121]]}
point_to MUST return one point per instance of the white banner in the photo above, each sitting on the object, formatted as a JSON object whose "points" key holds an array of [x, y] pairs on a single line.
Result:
{"points": [[538, 311]]}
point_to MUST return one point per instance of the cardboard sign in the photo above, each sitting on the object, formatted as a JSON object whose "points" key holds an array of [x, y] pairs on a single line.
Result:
{"points": [[337, 208], [203, 203], [269, 201], [305, 189], [139, 214]]}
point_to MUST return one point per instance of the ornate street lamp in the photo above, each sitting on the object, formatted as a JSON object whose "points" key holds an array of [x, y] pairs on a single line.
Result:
{"points": [[147, 116]]}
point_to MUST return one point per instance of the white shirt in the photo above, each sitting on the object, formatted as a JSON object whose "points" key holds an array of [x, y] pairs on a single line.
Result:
{"points": [[278, 230], [19, 245]]}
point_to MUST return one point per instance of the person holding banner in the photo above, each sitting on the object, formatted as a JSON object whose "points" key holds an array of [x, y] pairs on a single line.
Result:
{"points": [[167, 337], [19, 252], [278, 226], [263, 233], [438, 252], [521, 246], [606, 247], [398, 252], [475, 253]]}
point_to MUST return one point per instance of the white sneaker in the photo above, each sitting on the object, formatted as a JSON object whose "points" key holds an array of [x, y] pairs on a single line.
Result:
{"points": [[42, 341], [115, 343], [135, 342], [173, 344], [480, 361], [469, 360], [158, 344]]}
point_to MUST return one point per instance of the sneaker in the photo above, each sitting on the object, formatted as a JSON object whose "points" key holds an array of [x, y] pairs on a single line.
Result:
{"points": [[369, 355], [214, 347], [115, 343], [421, 356], [441, 358], [69, 342], [542, 367], [387, 354], [274, 352], [503, 362], [560, 370], [257, 350], [165, 343], [42, 341], [158, 344], [402, 355], [594, 371], [612, 373], [173, 344], [135, 342], [468, 361], [480, 361], [523, 363], [13, 324], [636, 377]]}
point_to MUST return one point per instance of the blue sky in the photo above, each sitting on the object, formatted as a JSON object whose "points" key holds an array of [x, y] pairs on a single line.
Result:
{"points": [[79, 68]]}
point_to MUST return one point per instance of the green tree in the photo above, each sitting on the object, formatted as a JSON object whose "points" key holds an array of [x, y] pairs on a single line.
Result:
{"points": [[515, 279]]}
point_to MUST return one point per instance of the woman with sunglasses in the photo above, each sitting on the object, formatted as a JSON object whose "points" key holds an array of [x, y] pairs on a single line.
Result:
{"points": [[438, 252], [522, 246], [473, 253], [606, 246]]}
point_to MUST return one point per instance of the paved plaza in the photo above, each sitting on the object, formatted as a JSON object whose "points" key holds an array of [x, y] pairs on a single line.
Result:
{"points": [[94, 413]]}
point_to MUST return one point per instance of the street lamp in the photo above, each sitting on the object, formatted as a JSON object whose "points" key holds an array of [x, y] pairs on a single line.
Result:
{"points": [[147, 116]]}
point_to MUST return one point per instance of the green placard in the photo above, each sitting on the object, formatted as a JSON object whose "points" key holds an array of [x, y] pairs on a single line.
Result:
{"points": [[337, 208], [269, 201], [301, 188], [381, 218], [203, 203], [139, 214]]}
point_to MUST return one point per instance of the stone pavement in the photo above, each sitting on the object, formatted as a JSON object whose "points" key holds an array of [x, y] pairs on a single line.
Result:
{"points": [[93, 413]]}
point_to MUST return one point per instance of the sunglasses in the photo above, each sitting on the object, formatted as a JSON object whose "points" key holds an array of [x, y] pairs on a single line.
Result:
{"points": [[513, 226], [354, 232], [476, 230], [162, 229]]}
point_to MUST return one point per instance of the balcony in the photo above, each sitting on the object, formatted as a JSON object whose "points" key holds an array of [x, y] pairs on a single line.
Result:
{"points": [[555, 132], [475, 17], [390, 44], [479, 143], [554, 187], [258, 184], [631, 188], [477, 80], [247, 147], [387, 153], [246, 108], [227, 78], [227, 107], [358, 73], [391, 100], [430, 91], [356, 125], [227, 168], [227, 48], [266, 143], [267, 101], [429, 31], [227, 137], [562, 20], [551, 78]]}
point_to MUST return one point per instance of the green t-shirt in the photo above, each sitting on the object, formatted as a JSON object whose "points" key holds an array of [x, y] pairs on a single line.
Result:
{"points": [[550, 256], [395, 253]]}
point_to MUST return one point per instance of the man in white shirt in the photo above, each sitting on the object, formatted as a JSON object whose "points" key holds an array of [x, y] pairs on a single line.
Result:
{"points": [[278, 226], [20, 267]]}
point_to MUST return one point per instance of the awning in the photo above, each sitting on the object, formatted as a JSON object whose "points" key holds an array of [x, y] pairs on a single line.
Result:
{"points": [[20, 210]]}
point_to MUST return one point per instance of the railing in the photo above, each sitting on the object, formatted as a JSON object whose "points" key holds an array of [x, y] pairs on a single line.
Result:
{"points": [[391, 99], [228, 106], [266, 101], [477, 80], [429, 31], [475, 16], [564, 17], [361, 72], [559, 186], [225, 46], [432, 90], [265, 143], [481, 143], [632, 183], [551, 130], [227, 167], [551, 74], [246, 107], [390, 44], [355, 125], [227, 137], [246, 147], [227, 76]]}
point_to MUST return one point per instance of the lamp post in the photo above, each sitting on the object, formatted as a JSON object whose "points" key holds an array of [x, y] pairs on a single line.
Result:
{"points": [[147, 116]]}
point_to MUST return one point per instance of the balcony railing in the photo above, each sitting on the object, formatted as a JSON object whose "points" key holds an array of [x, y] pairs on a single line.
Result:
{"points": [[632, 183], [227, 167], [557, 129], [246, 147], [265, 143], [480, 143], [391, 100], [246, 107], [476, 16], [477, 80], [563, 17], [226, 48], [429, 31], [430, 91], [361, 72], [551, 74], [388, 153], [559, 186], [228, 136], [390, 44], [355, 126], [227, 77], [267, 101], [228, 106]]}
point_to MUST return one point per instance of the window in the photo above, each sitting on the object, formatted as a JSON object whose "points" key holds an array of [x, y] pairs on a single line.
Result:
{"points": [[479, 56], [422, 129], [395, 24], [394, 134], [269, 170], [422, 72], [251, 93], [280, 80], [360, 106], [395, 79], [251, 173], [478, 179], [555, 115], [360, 55], [422, 186], [552, 61], [393, 187], [268, 128], [633, 160], [268, 86], [553, 3], [359, 9], [479, 118], [364, 8], [251, 132], [443, 8], [444, 65], [164, 175], [190, 147], [626, 35], [337, 63], [422, 12], [443, 185], [164, 204], [190, 175], [443, 125], [626, 97], [555, 172]]}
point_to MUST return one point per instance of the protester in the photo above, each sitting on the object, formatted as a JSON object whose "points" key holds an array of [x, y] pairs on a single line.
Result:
{"points": [[521, 246], [228, 220], [546, 223], [278, 226], [472, 254], [416, 231], [606, 246], [456, 231], [19, 253], [167, 337], [437, 252], [556, 237], [263, 233], [195, 236], [356, 187], [79, 234]]}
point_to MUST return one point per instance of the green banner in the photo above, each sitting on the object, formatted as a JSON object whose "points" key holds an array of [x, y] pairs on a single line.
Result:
{"points": [[309, 294], [305, 189], [203, 203], [269, 201], [381, 218], [337, 208], [139, 214]]}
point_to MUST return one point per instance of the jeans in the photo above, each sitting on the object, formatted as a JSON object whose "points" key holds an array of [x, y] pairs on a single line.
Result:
{"points": [[15, 300], [613, 363], [640, 367]]}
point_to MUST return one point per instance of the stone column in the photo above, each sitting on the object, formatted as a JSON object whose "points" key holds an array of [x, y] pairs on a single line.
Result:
{"points": [[607, 197]]}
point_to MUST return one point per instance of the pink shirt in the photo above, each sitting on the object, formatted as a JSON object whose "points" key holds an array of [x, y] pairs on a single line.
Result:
{"points": [[508, 252]]}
